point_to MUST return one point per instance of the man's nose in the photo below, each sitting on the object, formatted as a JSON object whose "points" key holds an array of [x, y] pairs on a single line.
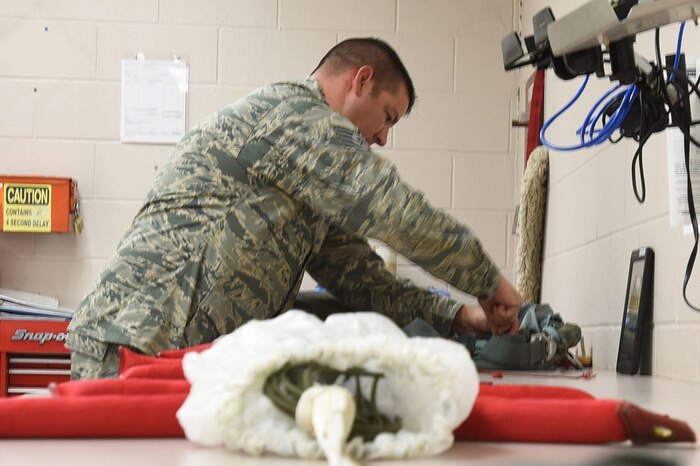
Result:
{"points": [[381, 137]]}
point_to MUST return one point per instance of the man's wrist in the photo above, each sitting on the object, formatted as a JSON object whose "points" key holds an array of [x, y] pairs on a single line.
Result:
{"points": [[458, 324], [470, 319]]}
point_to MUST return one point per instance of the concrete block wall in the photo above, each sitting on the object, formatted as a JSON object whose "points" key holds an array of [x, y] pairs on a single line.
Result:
{"points": [[60, 95], [594, 223]]}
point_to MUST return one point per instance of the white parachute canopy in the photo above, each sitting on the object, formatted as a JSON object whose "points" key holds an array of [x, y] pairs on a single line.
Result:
{"points": [[430, 383]]}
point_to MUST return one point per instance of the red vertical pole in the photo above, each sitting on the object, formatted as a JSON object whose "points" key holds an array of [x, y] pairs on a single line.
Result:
{"points": [[536, 114]]}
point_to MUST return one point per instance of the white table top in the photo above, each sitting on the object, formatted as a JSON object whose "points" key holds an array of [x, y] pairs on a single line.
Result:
{"points": [[665, 396]]}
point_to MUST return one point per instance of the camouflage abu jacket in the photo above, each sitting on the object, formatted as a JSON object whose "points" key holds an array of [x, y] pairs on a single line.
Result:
{"points": [[269, 187]]}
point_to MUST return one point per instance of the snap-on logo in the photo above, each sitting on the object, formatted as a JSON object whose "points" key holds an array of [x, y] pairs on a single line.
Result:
{"points": [[21, 334]]}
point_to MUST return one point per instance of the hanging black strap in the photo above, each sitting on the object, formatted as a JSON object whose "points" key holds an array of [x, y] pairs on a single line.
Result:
{"points": [[693, 215]]}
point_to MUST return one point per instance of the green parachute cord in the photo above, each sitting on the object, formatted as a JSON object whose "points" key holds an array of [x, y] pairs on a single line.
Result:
{"points": [[285, 386]]}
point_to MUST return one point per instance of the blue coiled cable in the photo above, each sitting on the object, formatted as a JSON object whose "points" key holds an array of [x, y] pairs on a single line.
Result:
{"points": [[589, 135]]}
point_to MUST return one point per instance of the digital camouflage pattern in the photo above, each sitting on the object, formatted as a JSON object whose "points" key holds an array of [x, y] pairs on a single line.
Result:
{"points": [[274, 184], [88, 367]]}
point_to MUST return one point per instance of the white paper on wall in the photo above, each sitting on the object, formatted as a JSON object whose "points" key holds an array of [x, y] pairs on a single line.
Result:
{"points": [[677, 178], [153, 96]]}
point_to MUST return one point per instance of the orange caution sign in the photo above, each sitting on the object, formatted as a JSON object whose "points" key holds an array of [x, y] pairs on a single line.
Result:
{"points": [[31, 204]]}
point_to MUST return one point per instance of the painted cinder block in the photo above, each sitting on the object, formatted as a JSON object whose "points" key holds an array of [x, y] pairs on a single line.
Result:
{"points": [[373, 15], [78, 110], [477, 120], [141, 162], [287, 55], [428, 172], [103, 10], [47, 49], [248, 13], [484, 181], [17, 109]]}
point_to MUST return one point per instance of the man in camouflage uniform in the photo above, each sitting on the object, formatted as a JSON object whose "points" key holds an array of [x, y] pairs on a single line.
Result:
{"points": [[281, 182]]}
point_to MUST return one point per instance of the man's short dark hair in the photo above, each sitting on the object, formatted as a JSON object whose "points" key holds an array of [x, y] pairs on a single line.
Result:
{"points": [[387, 66]]}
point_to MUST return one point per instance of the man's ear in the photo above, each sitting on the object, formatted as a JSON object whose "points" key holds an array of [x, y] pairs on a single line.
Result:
{"points": [[361, 80]]}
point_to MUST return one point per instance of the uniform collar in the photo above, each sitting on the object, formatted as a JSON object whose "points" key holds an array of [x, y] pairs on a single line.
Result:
{"points": [[314, 86]]}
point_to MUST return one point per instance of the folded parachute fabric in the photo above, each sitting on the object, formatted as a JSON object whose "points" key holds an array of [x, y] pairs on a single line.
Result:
{"points": [[152, 389], [425, 388]]}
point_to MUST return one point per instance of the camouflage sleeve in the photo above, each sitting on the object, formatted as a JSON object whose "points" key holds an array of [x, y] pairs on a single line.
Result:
{"points": [[348, 268], [319, 158]]}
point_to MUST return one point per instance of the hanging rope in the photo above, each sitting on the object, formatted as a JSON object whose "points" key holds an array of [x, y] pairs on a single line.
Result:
{"points": [[533, 204]]}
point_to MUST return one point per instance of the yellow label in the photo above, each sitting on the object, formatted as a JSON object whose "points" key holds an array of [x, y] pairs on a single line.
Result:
{"points": [[26, 207]]}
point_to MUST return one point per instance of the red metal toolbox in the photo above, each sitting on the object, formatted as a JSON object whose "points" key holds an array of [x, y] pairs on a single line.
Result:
{"points": [[32, 355]]}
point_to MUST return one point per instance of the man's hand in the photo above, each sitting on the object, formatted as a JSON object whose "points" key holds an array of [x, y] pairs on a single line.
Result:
{"points": [[470, 319], [502, 309]]}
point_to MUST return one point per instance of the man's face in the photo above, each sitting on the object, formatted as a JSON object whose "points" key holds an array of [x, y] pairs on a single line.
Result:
{"points": [[374, 113]]}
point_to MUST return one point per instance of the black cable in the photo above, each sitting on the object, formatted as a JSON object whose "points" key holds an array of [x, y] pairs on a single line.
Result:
{"points": [[681, 114], [664, 117], [638, 157], [682, 95], [694, 222], [657, 48], [694, 88], [642, 137], [610, 139], [691, 88], [614, 141], [683, 117], [684, 125]]}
